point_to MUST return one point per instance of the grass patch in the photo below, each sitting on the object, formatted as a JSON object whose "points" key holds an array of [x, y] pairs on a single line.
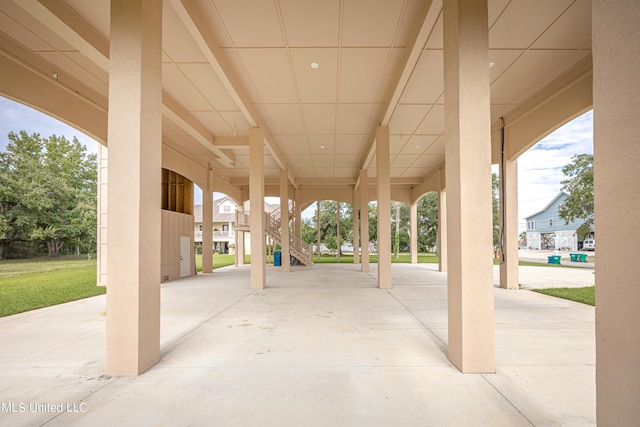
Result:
{"points": [[221, 260], [16, 267], [402, 259], [224, 260], [585, 295], [27, 285]]}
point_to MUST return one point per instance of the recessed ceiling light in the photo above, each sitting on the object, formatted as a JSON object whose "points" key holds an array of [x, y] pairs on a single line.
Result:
{"points": [[417, 146], [322, 146], [491, 64], [315, 65]]}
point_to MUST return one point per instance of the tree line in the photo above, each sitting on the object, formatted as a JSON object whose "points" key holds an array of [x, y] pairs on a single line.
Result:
{"points": [[427, 215], [47, 197], [578, 183]]}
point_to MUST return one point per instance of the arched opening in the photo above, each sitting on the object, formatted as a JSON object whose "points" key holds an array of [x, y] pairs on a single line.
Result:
{"points": [[541, 191]]}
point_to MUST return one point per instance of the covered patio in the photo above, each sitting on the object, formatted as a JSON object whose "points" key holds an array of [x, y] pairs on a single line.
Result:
{"points": [[320, 346], [345, 100]]}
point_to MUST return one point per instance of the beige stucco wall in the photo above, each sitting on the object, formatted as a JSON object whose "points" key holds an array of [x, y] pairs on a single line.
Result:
{"points": [[174, 225]]}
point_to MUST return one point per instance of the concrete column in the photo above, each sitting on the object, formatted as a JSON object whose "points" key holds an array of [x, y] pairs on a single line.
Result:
{"points": [[318, 230], [338, 239], [413, 234], [468, 177], [207, 225], [135, 171], [442, 231], [101, 235], [256, 198], [383, 178], [364, 220], [298, 213], [284, 220], [616, 105], [356, 234], [509, 205], [240, 252]]}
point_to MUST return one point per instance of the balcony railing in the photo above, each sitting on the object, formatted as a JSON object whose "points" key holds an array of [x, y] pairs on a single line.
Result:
{"points": [[225, 234], [216, 235]]}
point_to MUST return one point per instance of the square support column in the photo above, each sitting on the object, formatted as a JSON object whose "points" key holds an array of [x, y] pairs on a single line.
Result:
{"points": [[509, 215], [318, 231], [468, 178], [364, 220], [207, 225], [298, 213], [101, 235], [616, 129], [383, 175], [442, 231], [239, 239], [135, 170], [257, 216], [338, 238], [413, 235], [356, 234], [284, 220]]}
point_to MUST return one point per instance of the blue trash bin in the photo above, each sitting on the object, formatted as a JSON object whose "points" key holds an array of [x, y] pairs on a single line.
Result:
{"points": [[277, 258]]}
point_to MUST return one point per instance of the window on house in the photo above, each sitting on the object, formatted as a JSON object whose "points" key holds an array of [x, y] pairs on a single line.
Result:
{"points": [[226, 208]]}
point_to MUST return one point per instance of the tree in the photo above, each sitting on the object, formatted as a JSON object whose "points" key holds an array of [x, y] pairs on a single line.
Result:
{"points": [[578, 183], [22, 194], [495, 205], [48, 193], [328, 224], [427, 222]]}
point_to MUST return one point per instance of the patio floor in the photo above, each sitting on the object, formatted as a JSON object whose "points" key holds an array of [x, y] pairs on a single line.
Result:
{"points": [[320, 346]]}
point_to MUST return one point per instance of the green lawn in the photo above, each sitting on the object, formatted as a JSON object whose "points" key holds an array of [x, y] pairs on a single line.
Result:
{"points": [[27, 285], [584, 295], [221, 260], [225, 260], [402, 259]]}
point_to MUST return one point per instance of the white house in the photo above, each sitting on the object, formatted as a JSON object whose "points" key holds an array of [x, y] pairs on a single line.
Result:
{"points": [[224, 224]]}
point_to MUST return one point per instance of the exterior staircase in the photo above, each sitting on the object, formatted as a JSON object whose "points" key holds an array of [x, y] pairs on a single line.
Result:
{"points": [[299, 249]]}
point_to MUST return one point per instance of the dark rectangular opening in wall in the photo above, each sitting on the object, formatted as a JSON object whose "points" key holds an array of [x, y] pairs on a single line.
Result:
{"points": [[177, 192]]}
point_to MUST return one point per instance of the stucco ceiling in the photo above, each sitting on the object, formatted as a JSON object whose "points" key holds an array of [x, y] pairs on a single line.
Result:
{"points": [[229, 65]]}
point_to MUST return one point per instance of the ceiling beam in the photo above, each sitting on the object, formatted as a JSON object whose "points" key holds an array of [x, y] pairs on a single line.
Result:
{"points": [[433, 11], [212, 53], [231, 141], [66, 23], [194, 128]]}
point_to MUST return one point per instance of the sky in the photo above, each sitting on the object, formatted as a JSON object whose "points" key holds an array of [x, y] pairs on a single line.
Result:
{"points": [[539, 169], [15, 117]]}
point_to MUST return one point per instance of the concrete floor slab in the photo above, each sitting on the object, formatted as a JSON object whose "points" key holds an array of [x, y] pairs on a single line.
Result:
{"points": [[321, 345]]}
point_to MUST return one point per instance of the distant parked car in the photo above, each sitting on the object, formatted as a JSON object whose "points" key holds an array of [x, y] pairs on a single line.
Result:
{"points": [[589, 245]]}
